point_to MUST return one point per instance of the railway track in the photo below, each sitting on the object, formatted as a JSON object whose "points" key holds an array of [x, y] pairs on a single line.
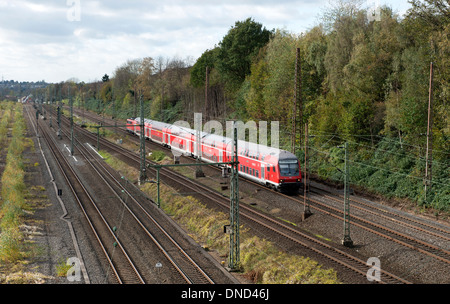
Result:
{"points": [[439, 232], [118, 260], [264, 222], [182, 264], [328, 203], [332, 205], [181, 261], [403, 239]]}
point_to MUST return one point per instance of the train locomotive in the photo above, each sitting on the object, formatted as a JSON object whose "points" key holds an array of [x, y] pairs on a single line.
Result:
{"points": [[275, 168]]}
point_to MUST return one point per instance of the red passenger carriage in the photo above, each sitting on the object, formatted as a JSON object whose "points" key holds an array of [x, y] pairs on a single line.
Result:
{"points": [[275, 168]]}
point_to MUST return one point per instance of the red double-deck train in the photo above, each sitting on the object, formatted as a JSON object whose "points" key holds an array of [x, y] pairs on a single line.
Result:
{"points": [[275, 168]]}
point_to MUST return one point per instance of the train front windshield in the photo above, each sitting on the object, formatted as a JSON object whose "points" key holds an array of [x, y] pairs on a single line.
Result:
{"points": [[289, 167]]}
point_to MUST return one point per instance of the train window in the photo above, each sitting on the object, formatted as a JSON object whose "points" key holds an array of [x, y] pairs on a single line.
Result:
{"points": [[257, 173], [289, 167]]}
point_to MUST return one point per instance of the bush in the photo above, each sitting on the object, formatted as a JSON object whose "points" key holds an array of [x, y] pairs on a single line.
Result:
{"points": [[385, 168], [157, 156]]}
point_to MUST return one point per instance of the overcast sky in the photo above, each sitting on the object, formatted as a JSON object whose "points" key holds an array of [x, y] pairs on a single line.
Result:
{"points": [[54, 40]]}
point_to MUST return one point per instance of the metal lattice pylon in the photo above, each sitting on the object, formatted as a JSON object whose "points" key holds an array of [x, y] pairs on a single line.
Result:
{"points": [[346, 241], [143, 170], [234, 257]]}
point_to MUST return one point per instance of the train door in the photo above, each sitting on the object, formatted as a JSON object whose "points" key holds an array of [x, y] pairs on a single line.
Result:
{"points": [[262, 171]]}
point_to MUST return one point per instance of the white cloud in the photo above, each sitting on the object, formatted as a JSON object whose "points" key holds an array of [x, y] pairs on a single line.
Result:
{"points": [[37, 41]]}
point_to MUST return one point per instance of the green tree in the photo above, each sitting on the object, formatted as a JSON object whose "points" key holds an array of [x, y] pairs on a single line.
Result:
{"points": [[198, 70], [237, 49], [423, 36], [255, 101], [106, 92], [279, 86], [341, 44], [272, 75]]}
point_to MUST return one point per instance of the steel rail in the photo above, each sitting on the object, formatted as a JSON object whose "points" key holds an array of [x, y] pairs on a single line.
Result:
{"points": [[151, 218], [74, 182], [165, 171]]}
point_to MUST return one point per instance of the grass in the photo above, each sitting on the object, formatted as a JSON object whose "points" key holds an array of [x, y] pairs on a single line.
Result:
{"points": [[21, 277], [158, 156], [12, 191], [125, 170], [261, 261], [16, 201], [6, 113], [12, 196], [62, 268]]}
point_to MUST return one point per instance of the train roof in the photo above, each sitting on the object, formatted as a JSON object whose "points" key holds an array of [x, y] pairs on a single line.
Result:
{"points": [[250, 149], [245, 147]]}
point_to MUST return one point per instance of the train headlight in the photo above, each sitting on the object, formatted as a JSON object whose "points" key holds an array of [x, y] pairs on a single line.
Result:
{"points": [[281, 180], [299, 179]]}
